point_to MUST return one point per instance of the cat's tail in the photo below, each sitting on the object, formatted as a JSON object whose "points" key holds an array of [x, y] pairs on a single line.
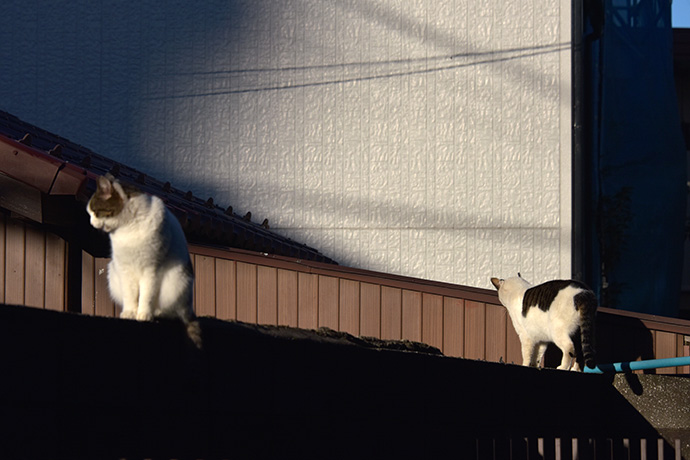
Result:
{"points": [[586, 303], [194, 332]]}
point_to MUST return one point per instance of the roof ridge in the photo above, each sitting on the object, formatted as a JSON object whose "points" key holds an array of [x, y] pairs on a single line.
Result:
{"points": [[203, 220]]}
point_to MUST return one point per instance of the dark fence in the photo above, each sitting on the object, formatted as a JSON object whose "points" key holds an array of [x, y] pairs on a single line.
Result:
{"points": [[79, 386]]}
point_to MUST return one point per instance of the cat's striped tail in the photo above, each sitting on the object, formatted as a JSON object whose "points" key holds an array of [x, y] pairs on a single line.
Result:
{"points": [[193, 329], [586, 304], [194, 333]]}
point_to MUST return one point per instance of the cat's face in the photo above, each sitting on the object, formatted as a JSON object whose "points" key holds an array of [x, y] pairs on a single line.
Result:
{"points": [[510, 289], [107, 204]]}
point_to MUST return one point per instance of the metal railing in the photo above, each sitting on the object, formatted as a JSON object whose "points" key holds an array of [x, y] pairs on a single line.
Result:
{"points": [[629, 366]]}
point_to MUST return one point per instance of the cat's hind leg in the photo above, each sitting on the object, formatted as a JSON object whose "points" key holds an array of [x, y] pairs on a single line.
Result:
{"points": [[540, 355], [566, 345], [177, 293]]}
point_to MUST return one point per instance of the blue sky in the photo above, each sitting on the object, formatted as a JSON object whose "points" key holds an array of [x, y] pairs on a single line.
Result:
{"points": [[680, 13]]}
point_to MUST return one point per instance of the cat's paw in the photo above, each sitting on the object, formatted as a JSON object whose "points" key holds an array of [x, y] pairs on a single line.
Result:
{"points": [[128, 314], [144, 316]]}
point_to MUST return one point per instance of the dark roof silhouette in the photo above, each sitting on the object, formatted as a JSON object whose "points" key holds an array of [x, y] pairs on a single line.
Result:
{"points": [[57, 168]]}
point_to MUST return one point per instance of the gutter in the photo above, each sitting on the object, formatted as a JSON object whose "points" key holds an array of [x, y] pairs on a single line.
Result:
{"points": [[43, 172]]}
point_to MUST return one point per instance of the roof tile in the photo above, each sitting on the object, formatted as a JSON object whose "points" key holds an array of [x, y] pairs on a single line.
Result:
{"points": [[57, 166]]}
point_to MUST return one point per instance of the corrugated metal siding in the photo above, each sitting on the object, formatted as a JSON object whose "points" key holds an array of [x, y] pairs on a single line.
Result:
{"points": [[460, 321], [371, 310], [32, 266], [14, 262], [288, 312], [239, 285], [95, 297], [278, 296], [391, 313]]}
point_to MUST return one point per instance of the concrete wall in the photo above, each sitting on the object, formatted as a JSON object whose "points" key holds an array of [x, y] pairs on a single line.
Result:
{"points": [[428, 138]]}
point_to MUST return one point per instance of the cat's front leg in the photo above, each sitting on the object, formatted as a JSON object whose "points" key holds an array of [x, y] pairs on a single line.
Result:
{"points": [[128, 313], [124, 294], [148, 291], [129, 302]]}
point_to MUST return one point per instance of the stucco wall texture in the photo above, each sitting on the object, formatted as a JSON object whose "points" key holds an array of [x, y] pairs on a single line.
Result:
{"points": [[428, 138]]}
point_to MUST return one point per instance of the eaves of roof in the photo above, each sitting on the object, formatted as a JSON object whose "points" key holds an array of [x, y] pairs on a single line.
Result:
{"points": [[34, 162]]}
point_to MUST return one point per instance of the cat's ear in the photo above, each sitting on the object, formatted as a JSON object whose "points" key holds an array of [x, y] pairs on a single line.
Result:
{"points": [[105, 188], [496, 282]]}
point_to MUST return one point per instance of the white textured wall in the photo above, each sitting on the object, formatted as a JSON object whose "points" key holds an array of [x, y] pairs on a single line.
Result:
{"points": [[428, 138]]}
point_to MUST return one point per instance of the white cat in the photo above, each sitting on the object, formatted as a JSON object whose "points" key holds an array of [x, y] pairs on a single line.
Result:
{"points": [[555, 311], [150, 274]]}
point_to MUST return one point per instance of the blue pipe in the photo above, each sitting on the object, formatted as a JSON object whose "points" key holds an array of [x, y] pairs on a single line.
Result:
{"points": [[639, 365]]}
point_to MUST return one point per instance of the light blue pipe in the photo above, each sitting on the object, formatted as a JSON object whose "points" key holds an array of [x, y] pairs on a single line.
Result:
{"points": [[630, 366]]}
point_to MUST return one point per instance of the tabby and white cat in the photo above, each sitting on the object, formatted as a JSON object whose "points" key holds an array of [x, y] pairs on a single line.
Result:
{"points": [[555, 311], [150, 274]]}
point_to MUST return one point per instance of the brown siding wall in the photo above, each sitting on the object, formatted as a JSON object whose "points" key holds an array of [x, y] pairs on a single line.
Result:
{"points": [[95, 297], [32, 266], [255, 288], [266, 290], [460, 321]]}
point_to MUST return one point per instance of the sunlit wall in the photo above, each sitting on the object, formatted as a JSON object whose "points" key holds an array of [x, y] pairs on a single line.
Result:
{"points": [[428, 138]]}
